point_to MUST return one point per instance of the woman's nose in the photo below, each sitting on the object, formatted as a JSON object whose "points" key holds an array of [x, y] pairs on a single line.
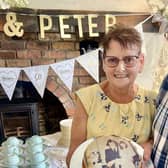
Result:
{"points": [[121, 65]]}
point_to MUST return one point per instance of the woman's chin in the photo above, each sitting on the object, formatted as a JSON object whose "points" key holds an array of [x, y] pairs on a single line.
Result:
{"points": [[121, 83]]}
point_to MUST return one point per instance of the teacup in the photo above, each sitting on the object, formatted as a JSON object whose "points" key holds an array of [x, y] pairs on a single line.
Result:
{"points": [[35, 139], [7, 165], [36, 158], [35, 148], [12, 159], [65, 132], [8, 149], [13, 141], [40, 165]]}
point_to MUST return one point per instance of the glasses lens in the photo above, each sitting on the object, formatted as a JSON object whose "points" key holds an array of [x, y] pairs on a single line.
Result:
{"points": [[111, 61], [130, 61]]}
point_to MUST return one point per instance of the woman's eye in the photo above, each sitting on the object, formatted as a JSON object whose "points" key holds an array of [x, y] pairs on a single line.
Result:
{"points": [[128, 59], [112, 60]]}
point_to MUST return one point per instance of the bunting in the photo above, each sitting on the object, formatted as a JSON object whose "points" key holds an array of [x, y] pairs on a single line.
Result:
{"points": [[91, 65], [38, 77], [153, 43], [8, 80], [65, 71]]}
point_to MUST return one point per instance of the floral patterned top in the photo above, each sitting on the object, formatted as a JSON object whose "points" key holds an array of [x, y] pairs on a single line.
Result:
{"points": [[105, 117]]}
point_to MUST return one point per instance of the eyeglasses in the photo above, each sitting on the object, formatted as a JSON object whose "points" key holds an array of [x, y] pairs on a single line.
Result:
{"points": [[112, 61]]}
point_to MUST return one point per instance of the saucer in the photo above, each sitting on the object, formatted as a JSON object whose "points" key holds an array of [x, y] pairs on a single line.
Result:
{"points": [[38, 156], [6, 150], [6, 144], [39, 164], [4, 164], [34, 140]]}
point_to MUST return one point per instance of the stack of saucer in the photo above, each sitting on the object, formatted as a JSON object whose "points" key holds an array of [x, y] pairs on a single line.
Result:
{"points": [[12, 153], [35, 152]]}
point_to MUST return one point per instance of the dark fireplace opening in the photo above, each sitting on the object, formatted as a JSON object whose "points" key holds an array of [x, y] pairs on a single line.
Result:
{"points": [[54, 112], [18, 118], [28, 114]]}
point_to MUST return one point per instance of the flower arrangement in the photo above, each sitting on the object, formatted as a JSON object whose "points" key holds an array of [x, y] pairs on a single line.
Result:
{"points": [[159, 9], [13, 3], [159, 6]]}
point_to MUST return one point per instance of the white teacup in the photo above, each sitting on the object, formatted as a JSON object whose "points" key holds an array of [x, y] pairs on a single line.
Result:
{"points": [[13, 141], [37, 158], [35, 148], [35, 139], [12, 160], [9, 149], [65, 126], [42, 164]]}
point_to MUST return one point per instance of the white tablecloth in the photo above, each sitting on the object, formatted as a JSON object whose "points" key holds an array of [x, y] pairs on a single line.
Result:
{"points": [[56, 153]]}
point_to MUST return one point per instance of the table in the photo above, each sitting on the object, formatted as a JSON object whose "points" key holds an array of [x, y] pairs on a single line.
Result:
{"points": [[56, 153]]}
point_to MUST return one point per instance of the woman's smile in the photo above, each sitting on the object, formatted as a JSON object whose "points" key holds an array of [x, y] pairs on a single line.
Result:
{"points": [[121, 76]]}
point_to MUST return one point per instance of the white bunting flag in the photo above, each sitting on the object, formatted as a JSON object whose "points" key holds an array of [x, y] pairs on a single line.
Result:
{"points": [[90, 62], [139, 28], [65, 71], [154, 44], [8, 80], [38, 76]]}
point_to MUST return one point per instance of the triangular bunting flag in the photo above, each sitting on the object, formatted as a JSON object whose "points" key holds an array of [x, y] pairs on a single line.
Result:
{"points": [[154, 43], [8, 80], [38, 76], [65, 71], [139, 28], [90, 62]]}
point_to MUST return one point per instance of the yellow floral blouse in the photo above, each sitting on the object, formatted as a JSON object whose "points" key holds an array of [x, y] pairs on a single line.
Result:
{"points": [[105, 117]]}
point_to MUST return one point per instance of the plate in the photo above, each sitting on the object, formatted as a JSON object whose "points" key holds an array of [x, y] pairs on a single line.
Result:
{"points": [[38, 164], [77, 157], [25, 166], [5, 165], [8, 144]]}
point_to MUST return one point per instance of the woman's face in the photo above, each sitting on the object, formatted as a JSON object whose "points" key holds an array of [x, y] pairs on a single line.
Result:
{"points": [[122, 73]]}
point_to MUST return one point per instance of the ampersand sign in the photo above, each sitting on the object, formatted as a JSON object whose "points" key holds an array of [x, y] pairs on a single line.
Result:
{"points": [[12, 27]]}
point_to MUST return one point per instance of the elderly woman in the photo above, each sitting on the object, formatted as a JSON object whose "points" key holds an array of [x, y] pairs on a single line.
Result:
{"points": [[116, 106]]}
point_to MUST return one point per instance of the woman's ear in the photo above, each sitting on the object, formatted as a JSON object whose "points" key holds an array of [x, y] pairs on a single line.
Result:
{"points": [[141, 60]]}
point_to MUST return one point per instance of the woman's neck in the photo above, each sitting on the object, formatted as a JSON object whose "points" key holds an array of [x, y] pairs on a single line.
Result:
{"points": [[119, 95]]}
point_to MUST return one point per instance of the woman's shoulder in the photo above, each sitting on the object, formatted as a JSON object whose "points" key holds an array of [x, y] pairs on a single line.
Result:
{"points": [[147, 92], [89, 89], [87, 95]]}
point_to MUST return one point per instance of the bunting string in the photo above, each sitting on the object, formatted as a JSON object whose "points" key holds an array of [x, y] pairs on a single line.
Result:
{"points": [[89, 61]]}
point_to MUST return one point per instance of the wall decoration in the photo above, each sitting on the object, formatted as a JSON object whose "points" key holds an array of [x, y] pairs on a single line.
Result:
{"points": [[65, 71], [38, 76], [159, 10], [153, 44], [161, 69], [6, 4], [90, 62], [8, 80], [12, 27], [91, 65]]}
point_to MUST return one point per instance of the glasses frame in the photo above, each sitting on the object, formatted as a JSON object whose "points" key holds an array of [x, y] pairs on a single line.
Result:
{"points": [[128, 66]]}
